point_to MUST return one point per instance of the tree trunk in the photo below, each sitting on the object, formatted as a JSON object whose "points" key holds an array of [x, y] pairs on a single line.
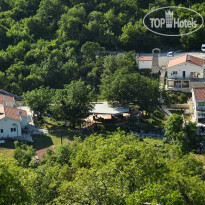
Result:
{"points": [[186, 198]]}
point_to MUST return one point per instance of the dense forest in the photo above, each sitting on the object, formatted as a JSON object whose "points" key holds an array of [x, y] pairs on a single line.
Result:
{"points": [[55, 54], [53, 42], [115, 168]]}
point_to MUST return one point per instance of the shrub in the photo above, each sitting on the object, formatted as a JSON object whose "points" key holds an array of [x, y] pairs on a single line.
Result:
{"points": [[23, 153], [183, 98], [158, 114]]}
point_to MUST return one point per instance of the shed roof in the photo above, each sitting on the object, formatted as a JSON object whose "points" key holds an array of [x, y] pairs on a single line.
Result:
{"points": [[106, 108], [11, 112], [187, 58], [4, 98], [199, 93], [145, 58]]}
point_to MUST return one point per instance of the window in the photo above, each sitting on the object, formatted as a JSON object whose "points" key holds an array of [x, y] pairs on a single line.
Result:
{"points": [[201, 103], [13, 129], [1, 131], [175, 72]]}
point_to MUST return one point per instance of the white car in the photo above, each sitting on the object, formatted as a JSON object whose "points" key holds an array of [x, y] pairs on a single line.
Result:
{"points": [[203, 47], [170, 54]]}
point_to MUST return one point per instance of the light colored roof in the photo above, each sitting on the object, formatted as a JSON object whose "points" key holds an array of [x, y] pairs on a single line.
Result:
{"points": [[11, 112], [186, 58], [145, 58], [199, 93], [4, 98], [105, 108]]}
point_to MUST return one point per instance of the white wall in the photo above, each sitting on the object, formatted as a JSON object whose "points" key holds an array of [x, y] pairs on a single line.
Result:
{"points": [[144, 64], [195, 106], [10, 104], [24, 121], [187, 67], [6, 124]]}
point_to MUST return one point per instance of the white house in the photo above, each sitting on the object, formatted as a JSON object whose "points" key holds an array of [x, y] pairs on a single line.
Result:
{"points": [[12, 122], [198, 98], [145, 63], [185, 73]]}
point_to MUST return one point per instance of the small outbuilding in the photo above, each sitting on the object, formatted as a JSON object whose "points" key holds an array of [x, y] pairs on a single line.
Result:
{"points": [[103, 112]]}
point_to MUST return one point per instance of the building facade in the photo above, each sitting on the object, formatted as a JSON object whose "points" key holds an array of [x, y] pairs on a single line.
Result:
{"points": [[198, 98], [185, 73], [13, 121]]}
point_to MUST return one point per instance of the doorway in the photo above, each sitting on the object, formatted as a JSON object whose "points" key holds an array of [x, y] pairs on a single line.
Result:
{"points": [[184, 74]]}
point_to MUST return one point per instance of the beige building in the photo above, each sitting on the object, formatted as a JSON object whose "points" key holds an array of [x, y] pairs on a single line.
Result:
{"points": [[145, 63], [185, 73]]}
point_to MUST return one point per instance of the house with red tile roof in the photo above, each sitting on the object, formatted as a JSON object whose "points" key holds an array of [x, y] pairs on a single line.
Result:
{"points": [[12, 122], [185, 73], [198, 98], [145, 63], [7, 100]]}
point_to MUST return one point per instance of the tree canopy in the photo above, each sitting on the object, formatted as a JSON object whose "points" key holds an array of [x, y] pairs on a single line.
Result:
{"points": [[115, 168]]}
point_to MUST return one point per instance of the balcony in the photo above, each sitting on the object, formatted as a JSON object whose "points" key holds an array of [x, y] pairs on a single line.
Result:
{"points": [[202, 109], [187, 79]]}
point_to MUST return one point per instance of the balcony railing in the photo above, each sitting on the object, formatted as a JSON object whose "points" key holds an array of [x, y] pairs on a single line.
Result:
{"points": [[186, 79], [202, 109]]}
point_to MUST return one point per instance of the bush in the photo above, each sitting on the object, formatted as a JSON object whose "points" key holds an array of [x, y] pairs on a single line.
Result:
{"points": [[173, 98], [40, 123], [23, 153], [183, 98], [158, 114]]}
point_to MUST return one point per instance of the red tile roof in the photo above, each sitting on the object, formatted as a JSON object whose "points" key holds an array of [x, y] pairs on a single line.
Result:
{"points": [[145, 58], [3, 99], [196, 61], [40, 153], [11, 112], [199, 93], [186, 58]]}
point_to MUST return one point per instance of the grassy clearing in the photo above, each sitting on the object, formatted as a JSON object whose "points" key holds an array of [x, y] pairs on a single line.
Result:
{"points": [[53, 138], [7, 148]]}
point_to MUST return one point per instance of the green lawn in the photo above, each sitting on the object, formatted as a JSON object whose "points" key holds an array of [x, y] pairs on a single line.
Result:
{"points": [[53, 138], [7, 148]]}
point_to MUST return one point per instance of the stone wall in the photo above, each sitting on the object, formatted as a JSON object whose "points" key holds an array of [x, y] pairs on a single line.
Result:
{"points": [[196, 85], [179, 106]]}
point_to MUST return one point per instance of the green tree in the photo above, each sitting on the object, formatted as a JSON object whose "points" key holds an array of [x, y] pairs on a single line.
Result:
{"points": [[90, 50], [14, 181], [192, 139], [23, 154], [64, 154], [38, 100], [72, 103], [174, 126], [45, 183], [71, 24]]}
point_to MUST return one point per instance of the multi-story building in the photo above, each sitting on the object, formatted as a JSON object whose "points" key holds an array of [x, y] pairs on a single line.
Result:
{"points": [[185, 73], [198, 98]]}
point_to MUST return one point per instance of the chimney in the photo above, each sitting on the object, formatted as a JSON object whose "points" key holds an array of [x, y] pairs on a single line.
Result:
{"points": [[6, 101], [188, 57]]}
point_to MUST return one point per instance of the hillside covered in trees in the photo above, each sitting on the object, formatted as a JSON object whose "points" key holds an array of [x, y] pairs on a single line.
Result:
{"points": [[54, 53], [116, 168], [53, 42]]}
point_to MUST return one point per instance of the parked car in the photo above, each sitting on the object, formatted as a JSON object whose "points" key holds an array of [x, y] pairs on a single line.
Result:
{"points": [[203, 47], [170, 54]]}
